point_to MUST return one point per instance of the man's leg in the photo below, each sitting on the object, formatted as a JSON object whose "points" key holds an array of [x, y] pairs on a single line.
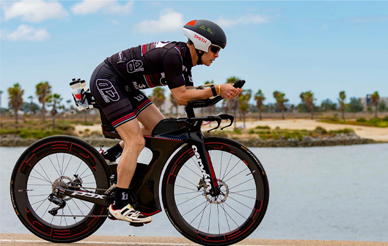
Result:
{"points": [[149, 117], [131, 134]]}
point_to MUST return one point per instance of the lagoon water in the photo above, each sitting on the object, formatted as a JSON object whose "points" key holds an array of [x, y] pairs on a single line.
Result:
{"points": [[319, 193]]}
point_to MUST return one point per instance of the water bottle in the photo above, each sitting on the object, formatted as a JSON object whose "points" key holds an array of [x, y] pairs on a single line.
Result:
{"points": [[78, 92]]}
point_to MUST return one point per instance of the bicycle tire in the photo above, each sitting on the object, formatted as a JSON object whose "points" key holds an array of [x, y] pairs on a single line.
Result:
{"points": [[50, 162], [237, 212]]}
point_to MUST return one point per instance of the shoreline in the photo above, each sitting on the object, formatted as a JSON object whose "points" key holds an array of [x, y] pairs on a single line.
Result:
{"points": [[362, 135], [248, 142]]}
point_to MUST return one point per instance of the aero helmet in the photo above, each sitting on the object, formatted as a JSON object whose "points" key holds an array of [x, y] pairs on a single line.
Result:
{"points": [[204, 33]]}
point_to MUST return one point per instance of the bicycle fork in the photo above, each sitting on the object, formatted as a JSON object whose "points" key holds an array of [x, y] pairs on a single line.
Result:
{"points": [[204, 163]]}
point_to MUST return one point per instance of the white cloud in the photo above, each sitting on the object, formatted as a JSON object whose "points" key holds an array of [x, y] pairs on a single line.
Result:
{"points": [[168, 21], [25, 33], [247, 19], [34, 11], [92, 6]]}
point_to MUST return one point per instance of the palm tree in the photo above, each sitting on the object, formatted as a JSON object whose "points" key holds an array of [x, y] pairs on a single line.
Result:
{"points": [[15, 99], [375, 98], [243, 100], [43, 90], [54, 100], [308, 98], [1, 93], [158, 97], [280, 100], [259, 98], [30, 105], [341, 102]]}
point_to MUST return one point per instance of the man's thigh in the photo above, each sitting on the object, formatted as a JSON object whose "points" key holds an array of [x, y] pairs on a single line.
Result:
{"points": [[150, 117]]}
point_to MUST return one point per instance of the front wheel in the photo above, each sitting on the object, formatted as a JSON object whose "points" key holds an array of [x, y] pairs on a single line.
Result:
{"points": [[45, 167], [216, 220]]}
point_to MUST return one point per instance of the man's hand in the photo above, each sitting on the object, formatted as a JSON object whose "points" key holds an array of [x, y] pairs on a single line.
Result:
{"points": [[227, 91]]}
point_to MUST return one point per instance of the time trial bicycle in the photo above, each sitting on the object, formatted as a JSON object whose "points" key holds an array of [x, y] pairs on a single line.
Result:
{"points": [[214, 190]]}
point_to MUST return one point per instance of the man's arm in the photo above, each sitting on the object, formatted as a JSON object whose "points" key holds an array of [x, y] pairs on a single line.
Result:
{"points": [[183, 95]]}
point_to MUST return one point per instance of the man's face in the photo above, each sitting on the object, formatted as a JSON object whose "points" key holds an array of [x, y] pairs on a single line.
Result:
{"points": [[210, 56]]}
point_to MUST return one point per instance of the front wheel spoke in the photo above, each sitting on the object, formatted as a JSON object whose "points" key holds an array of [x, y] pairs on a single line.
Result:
{"points": [[189, 200], [228, 215], [234, 175], [227, 167], [188, 181], [186, 193], [203, 212], [187, 188], [238, 194], [196, 173], [226, 175], [210, 213], [218, 213], [194, 208], [240, 203], [240, 184]]}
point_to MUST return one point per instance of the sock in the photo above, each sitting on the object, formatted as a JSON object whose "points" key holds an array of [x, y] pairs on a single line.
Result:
{"points": [[121, 198], [113, 153]]}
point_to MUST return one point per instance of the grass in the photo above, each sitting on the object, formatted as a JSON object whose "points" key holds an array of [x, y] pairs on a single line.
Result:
{"points": [[266, 133], [36, 129], [374, 122]]}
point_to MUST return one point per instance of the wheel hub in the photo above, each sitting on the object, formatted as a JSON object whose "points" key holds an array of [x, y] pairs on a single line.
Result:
{"points": [[215, 199], [60, 183]]}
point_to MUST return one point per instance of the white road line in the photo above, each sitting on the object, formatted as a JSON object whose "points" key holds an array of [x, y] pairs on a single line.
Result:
{"points": [[110, 243]]}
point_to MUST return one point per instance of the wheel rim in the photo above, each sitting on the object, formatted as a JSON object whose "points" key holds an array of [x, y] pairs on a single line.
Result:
{"points": [[220, 214]]}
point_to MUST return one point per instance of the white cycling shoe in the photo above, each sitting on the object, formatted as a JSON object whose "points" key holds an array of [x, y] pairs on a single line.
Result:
{"points": [[128, 213]]}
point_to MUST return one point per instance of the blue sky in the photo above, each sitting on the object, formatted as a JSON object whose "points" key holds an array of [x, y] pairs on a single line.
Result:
{"points": [[289, 46]]}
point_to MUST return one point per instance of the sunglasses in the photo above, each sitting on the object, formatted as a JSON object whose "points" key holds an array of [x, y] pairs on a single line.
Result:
{"points": [[215, 49]]}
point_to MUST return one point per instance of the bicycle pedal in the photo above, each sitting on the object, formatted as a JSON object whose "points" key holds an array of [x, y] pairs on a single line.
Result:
{"points": [[136, 224]]}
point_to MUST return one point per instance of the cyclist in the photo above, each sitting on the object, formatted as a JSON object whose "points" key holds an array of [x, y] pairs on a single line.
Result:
{"points": [[116, 85]]}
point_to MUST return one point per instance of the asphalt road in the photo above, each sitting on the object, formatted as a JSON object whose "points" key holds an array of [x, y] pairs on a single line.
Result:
{"points": [[13, 239]]}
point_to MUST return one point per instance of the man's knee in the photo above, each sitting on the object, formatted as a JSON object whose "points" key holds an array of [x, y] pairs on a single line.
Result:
{"points": [[136, 143]]}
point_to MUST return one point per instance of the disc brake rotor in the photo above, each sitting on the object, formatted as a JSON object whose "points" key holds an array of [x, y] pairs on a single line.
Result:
{"points": [[221, 198]]}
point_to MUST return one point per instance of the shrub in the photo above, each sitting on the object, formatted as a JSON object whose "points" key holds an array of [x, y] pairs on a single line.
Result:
{"points": [[320, 130], [263, 127], [362, 119]]}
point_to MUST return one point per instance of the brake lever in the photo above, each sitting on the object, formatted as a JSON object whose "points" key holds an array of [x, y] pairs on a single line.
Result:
{"points": [[227, 117], [218, 120]]}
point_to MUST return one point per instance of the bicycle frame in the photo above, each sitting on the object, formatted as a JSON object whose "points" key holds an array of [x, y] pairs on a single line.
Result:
{"points": [[166, 140], [168, 136]]}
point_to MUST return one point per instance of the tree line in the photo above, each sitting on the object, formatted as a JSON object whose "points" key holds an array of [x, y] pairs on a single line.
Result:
{"points": [[54, 101]]}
